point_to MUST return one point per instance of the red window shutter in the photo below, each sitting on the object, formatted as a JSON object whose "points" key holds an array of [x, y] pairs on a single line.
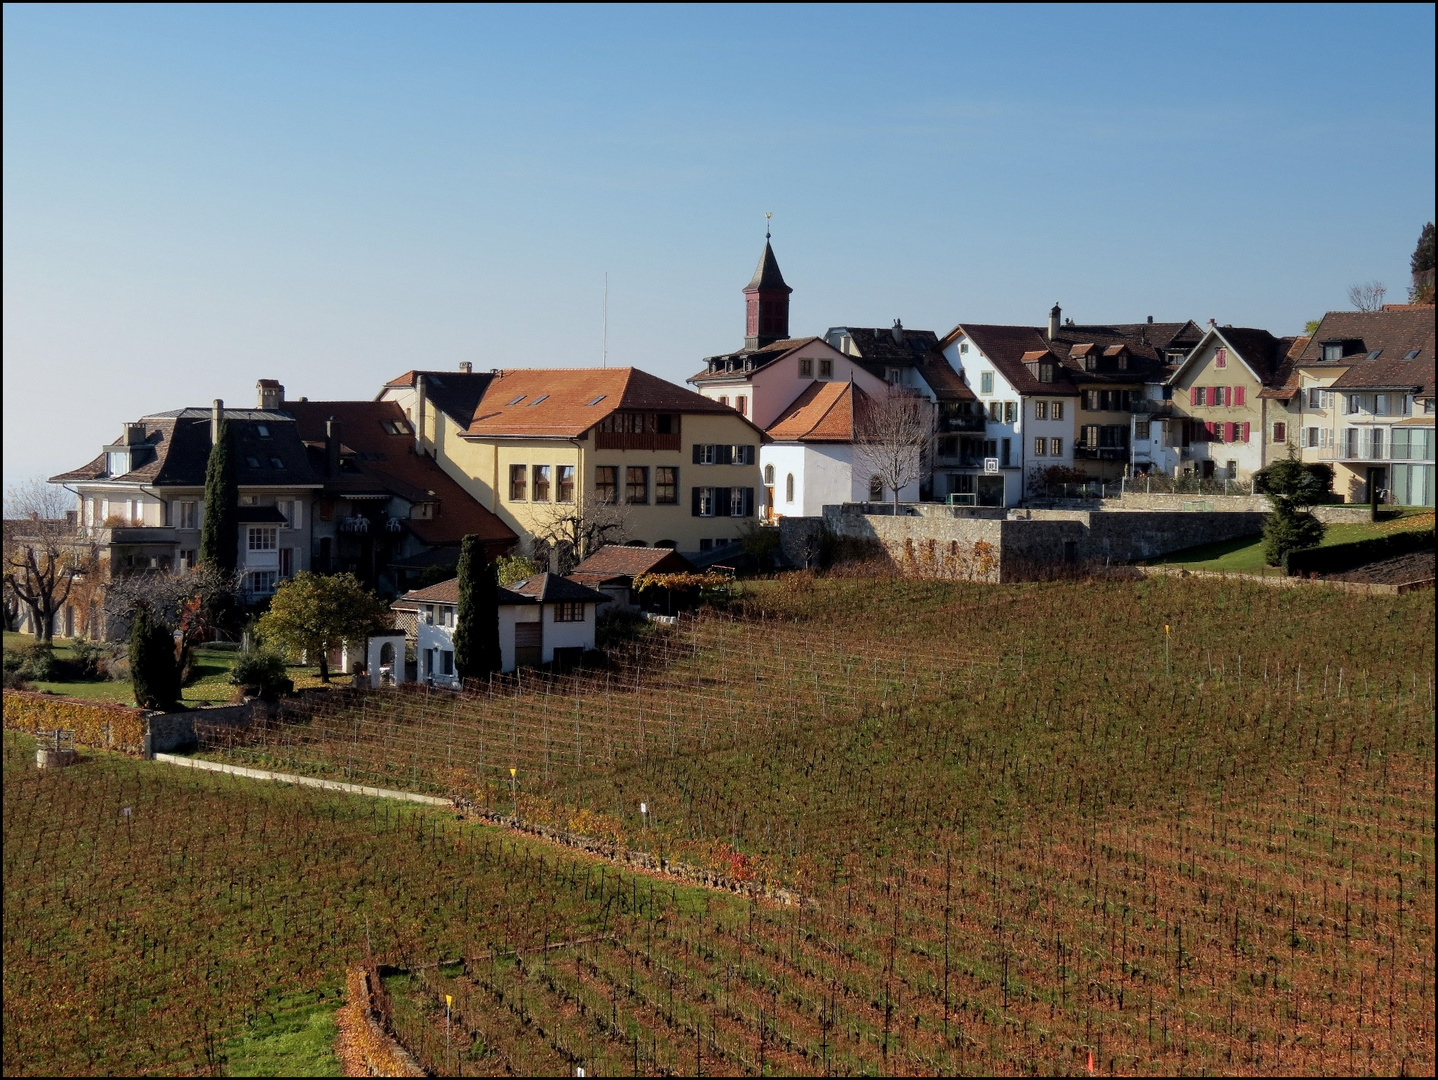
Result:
{"points": [[1238, 394], [1245, 430], [1195, 396], [1208, 430]]}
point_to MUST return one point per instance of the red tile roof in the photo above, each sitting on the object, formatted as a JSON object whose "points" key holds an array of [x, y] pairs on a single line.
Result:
{"points": [[823, 412], [564, 403], [615, 560]]}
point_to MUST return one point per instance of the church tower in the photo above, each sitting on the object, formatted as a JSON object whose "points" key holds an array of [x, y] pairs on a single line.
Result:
{"points": [[766, 299]]}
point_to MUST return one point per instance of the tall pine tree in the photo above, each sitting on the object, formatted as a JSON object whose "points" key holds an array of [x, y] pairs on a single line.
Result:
{"points": [[219, 532], [154, 674], [476, 631]]}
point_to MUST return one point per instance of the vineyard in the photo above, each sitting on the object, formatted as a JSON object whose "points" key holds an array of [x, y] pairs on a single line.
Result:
{"points": [[1164, 826]]}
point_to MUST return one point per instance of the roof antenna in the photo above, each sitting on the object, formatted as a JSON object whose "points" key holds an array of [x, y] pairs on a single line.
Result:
{"points": [[605, 360], [767, 216]]}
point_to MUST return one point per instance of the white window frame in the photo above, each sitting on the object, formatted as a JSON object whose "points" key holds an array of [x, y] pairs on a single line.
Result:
{"points": [[262, 538]]}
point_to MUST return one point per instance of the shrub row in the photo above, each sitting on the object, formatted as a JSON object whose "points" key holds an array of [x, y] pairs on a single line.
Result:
{"points": [[111, 727], [1340, 557]]}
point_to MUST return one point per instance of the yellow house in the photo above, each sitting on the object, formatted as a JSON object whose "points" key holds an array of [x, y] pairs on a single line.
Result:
{"points": [[574, 458]]}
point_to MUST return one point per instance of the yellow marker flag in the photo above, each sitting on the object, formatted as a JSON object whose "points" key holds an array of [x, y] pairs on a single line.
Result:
{"points": [[448, 1000], [1165, 628], [513, 771]]}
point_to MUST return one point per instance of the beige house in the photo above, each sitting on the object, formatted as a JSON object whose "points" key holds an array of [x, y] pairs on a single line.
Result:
{"points": [[573, 458], [1360, 398], [1223, 425]]}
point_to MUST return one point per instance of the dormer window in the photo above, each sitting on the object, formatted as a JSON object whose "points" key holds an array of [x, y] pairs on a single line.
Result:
{"points": [[1123, 363], [1090, 362], [1046, 373], [117, 462], [1332, 350]]}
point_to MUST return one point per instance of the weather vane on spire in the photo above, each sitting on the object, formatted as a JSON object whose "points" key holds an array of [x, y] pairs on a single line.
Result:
{"points": [[767, 216]]}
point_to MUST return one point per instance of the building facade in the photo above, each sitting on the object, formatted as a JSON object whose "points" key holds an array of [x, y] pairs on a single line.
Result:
{"points": [[572, 458]]}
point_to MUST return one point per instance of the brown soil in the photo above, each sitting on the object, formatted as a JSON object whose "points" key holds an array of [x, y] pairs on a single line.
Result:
{"points": [[1416, 566]]}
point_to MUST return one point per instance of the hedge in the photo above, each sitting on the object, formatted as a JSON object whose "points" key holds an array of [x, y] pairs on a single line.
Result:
{"points": [[109, 727], [1340, 557]]}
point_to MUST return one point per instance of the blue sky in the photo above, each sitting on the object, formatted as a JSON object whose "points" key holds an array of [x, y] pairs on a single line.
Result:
{"points": [[196, 198]]}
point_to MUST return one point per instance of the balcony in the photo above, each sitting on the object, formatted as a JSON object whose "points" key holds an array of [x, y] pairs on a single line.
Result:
{"points": [[962, 423], [132, 535], [636, 440], [1100, 453]]}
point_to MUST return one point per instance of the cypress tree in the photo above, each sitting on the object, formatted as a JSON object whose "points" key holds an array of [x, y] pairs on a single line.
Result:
{"points": [[154, 674], [476, 631], [219, 533]]}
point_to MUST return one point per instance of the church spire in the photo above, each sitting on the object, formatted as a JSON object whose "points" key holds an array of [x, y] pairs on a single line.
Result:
{"points": [[766, 300]]}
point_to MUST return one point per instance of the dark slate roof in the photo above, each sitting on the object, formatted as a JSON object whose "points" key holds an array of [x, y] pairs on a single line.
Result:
{"points": [[1265, 354], [553, 589], [877, 348], [757, 359], [376, 460], [455, 393], [180, 450], [615, 560], [767, 277]]}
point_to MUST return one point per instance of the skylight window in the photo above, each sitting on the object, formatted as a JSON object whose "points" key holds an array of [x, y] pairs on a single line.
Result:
{"points": [[277, 462], [1374, 354], [1411, 354], [517, 400], [597, 400], [252, 462], [262, 430], [537, 400]]}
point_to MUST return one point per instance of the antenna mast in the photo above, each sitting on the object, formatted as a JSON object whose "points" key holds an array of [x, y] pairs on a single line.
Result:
{"points": [[605, 361]]}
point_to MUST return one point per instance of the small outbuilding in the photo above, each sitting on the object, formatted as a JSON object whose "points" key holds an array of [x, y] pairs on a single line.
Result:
{"points": [[612, 569], [544, 619]]}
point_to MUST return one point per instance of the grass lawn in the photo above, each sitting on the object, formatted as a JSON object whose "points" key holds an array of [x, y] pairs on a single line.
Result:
{"points": [[1245, 555], [210, 686], [296, 1039]]}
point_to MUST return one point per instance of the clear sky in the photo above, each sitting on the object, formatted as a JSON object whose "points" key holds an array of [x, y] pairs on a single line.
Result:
{"points": [[196, 198]]}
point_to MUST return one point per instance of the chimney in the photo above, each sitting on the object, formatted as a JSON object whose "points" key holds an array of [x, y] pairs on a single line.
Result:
{"points": [[1212, 323], [272, 394], [466, 367], [217, 413], [1054, 314], [898, 332], [1150, 319], [134, 434], [419, 404], [332, 447]]}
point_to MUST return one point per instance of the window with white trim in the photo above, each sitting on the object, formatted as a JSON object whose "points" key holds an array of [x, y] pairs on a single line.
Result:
{"points": [[263, 538]]}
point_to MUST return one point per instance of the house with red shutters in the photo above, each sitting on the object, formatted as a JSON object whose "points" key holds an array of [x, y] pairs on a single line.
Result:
{"points": [[1217, 424]]}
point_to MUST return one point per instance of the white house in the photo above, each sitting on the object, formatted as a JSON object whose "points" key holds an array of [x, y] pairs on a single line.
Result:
{"points": [[543, 619], [812, 461]]}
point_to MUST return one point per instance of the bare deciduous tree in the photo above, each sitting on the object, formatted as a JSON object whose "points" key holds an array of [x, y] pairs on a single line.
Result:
{"points": [[192, 604], [1367, 297], [567, 533], [44, 554], [891, 436]]}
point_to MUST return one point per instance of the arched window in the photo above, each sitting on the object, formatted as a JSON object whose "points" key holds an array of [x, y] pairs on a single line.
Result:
{"points": [[876, 488], [789, 488], [768, 474]]}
